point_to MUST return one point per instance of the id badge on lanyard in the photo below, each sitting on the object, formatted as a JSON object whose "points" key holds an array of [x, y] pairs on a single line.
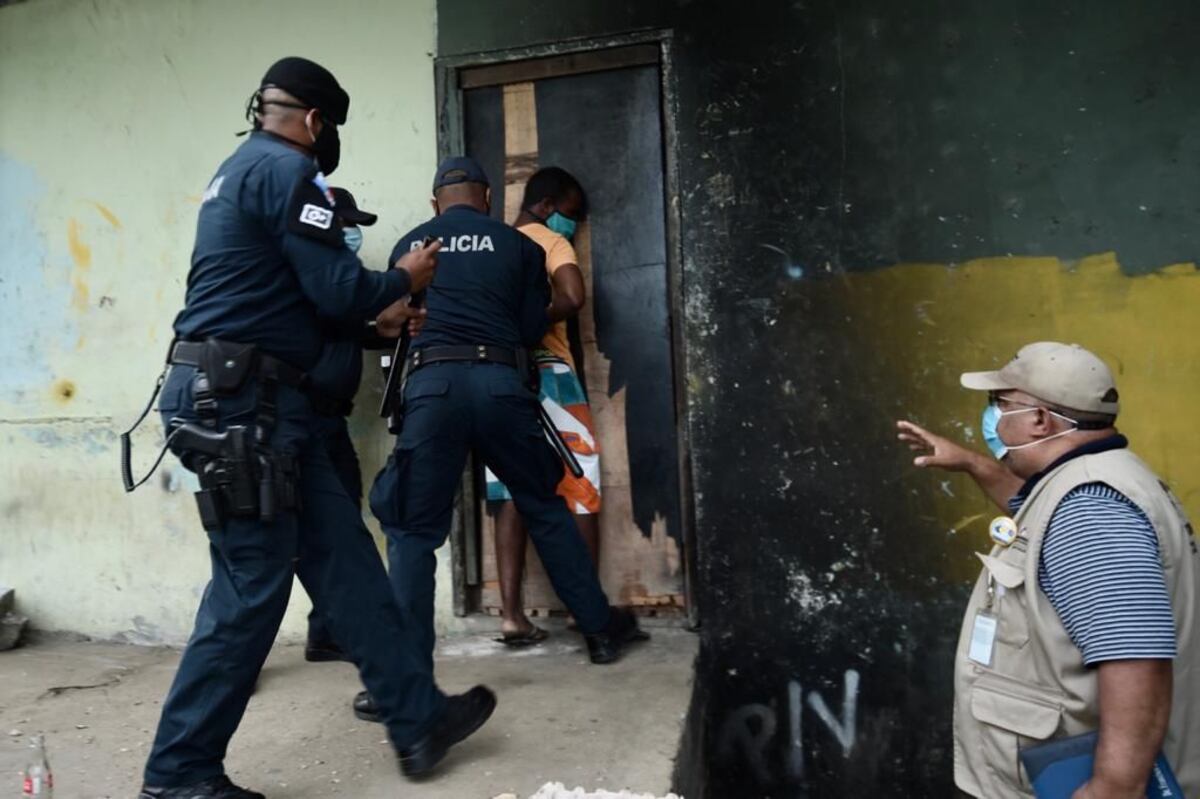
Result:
{"points": [[983, 631], [983, 638]]}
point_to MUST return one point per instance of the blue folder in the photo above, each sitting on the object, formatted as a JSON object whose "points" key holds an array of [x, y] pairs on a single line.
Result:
{"points": [[1057, 768]]}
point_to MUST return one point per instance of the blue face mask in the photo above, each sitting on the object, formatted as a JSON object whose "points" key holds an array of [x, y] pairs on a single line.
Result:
{"points": [[353, 237], [564, 226], [991, 430]]}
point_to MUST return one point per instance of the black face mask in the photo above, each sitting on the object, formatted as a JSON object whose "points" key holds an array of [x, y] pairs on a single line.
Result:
{"points": [[327, 148], [326, 145]]}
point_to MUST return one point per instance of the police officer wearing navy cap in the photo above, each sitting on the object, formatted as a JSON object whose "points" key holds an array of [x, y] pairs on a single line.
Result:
{"points": [[467, 389], [336, 378], [268, 263]]}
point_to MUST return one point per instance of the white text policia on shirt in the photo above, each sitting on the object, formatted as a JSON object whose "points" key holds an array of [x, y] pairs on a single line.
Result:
{"points": [[463, 243]]}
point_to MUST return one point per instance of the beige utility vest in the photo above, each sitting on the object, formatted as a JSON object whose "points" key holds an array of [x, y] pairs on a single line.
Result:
{"points": [[1037, 687]]}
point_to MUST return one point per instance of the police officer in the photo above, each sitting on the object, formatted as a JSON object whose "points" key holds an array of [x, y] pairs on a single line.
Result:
{"points": [[268, 260], [467, 389], [336, 377]]}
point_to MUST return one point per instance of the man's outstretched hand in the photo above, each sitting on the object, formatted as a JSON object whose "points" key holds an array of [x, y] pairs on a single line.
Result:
{"points": [[935, 451], [420, 265], [941, 453], [392, 319]]}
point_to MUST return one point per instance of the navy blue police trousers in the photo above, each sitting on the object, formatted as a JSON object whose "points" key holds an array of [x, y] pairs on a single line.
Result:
{"points": [[253, 565], [449, 409], [334, 431]]}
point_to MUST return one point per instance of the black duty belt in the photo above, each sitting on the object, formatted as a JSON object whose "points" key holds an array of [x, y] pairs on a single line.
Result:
{"points": [[189, 353], [508, 356], [483, 353]]}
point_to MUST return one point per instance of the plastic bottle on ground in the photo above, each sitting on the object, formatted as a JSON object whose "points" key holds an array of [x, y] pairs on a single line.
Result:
{"points": [[38, 779]]}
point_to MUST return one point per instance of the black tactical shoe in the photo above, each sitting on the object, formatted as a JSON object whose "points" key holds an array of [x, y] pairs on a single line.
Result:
{"points": [[364, 707], [324, 651], [622, 630], [215, 788], [464, 714]]}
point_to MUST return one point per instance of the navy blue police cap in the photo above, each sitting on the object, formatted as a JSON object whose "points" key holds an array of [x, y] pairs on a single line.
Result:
{"points": [[311, 83], [459, 169], [348, 210]]}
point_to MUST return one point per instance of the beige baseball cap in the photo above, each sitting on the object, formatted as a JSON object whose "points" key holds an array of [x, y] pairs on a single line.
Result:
{"points": [[1066, 375]]}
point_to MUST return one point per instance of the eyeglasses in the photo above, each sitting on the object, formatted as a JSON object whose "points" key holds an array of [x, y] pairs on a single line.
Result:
{"points": [[994, 398]]}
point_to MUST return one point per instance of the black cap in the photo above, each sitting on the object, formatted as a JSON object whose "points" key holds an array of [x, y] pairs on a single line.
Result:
{"points": [[311, 83], [459, 169], [348, 210]]}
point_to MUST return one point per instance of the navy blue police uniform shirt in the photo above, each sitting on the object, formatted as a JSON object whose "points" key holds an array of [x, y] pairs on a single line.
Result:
{"points": [[270, 258], [490, 286], [338, 372]]}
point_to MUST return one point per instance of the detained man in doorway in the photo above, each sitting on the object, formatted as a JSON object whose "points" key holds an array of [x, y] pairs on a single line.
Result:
{"points": [[1086, 615], [553, 204]]}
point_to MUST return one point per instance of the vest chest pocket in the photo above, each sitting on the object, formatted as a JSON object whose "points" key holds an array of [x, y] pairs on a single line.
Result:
{"points": [[1008, 599], [1011, 715]]}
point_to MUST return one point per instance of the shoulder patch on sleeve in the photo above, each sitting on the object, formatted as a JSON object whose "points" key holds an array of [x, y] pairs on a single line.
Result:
{"points": [[310, 213]]}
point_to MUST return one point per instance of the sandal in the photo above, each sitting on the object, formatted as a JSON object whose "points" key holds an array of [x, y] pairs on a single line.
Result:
{"points": [[534, 635]]}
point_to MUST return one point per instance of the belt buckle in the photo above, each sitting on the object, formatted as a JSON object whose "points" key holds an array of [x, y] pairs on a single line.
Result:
{"points": [[481, 351]]}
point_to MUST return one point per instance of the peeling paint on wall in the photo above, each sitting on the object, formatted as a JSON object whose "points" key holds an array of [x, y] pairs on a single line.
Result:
{"points": [[95, 235], [108, 215], [34, 291], [81, 254]]}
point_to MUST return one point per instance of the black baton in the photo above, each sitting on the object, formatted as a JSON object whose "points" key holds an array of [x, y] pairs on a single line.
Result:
{"points": [[560, 446]]}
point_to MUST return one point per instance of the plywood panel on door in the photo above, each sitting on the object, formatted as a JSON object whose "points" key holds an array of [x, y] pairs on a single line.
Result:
{"points": [[604, 128]]}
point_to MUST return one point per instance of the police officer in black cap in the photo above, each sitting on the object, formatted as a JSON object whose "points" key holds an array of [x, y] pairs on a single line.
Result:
{"points": [[467, 388], [336, 378], [269, 261]]}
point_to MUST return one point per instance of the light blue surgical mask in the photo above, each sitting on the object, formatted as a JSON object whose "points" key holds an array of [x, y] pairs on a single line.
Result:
{"points": [[991, 429], [562, 225], [991, 433], [353, 237]]}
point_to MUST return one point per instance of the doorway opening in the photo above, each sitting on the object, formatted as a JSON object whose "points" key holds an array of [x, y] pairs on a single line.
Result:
{"points": [[601, 111]]}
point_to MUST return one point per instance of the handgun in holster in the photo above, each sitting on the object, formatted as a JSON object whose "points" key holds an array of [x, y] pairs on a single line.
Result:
{"points": [[237, 479], [240, 475]]}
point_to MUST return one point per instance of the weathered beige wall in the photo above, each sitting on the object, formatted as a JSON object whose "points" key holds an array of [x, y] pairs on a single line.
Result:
{"points": [[113, 117]]}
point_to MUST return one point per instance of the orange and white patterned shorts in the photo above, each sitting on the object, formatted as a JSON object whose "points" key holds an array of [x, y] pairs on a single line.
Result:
{"points": [[563, 398]]}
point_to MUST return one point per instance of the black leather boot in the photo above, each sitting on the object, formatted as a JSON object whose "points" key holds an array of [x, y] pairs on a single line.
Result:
{"points": [[215, 788], [365, 709], [324, 651], [463, 715], [622, 630]]}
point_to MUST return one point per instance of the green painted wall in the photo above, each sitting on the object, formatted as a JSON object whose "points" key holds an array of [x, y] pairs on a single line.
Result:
{"points": [[113, 118]]}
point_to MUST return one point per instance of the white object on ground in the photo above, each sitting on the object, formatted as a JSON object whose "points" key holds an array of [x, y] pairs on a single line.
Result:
{"points": [[556, 790]]}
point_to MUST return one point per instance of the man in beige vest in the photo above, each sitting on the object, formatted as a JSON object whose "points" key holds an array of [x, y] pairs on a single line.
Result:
{"points": [[1085, 615]]}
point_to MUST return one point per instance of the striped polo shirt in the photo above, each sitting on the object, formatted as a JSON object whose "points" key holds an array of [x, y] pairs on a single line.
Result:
{"points": [[1101, 570]]}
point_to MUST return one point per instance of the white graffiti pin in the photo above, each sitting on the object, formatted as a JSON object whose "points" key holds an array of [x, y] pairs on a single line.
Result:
{"points": [[1003, 530]]}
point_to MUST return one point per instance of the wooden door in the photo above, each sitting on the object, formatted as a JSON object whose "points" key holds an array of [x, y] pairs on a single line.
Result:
{"points": [[605, 127]]}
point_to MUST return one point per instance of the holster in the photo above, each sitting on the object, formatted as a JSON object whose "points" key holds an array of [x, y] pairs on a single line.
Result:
{"points": [[241, 476], [527, 368], [238, 478], [395, 409]]}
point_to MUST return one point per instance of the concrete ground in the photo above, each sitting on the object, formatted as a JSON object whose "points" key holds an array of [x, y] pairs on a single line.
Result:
{"points": [[559, 719]]}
